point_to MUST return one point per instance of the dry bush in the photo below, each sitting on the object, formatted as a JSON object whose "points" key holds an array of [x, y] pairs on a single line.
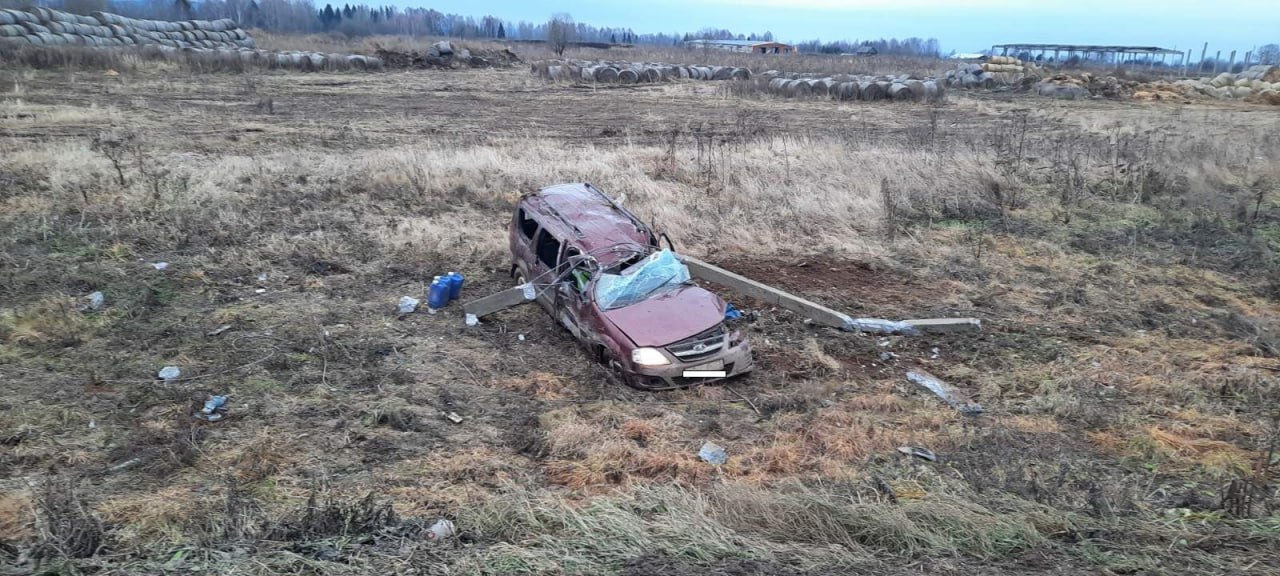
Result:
{"points": [[67, 527], [16, 516], [329, 517]]}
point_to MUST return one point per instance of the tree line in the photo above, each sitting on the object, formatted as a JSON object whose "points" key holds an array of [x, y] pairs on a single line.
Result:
{"points": [[356, 20]]}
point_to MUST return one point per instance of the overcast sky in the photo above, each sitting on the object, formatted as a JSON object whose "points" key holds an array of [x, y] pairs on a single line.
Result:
{"points": [[960, 25]]}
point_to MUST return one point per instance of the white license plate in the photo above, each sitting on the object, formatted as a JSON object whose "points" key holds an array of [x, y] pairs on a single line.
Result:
{"points": [[708, 370]]}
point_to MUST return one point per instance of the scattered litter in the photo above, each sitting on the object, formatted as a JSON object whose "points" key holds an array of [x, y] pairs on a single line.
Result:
{"points": [[520, 337], [218, 330], [472, 320], [93, 424], [924, 453], [408, 304], [169, 373], [127, 464], [438, 294], [934, 352], [160, 265], [261, 291], [731, 313], [453, 417], [95, 302], [887, 356], [713, 454], [441, 529], [944, 392], [262, 277], [214, 409], [884, 342], [529, 292], [455, 281]]}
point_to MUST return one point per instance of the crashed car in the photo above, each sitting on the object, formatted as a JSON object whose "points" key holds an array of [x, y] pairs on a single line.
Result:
{"points": [[601, 273]]}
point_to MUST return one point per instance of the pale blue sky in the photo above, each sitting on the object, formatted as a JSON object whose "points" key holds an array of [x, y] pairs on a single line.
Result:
{"points": [[961, 25]]}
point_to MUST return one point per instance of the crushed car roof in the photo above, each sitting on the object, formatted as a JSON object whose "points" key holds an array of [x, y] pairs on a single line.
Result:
{"points": [[583, 215]]}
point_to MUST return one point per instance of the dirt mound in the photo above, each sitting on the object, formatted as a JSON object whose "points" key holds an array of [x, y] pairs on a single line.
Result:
{"points": [[449, 58]]}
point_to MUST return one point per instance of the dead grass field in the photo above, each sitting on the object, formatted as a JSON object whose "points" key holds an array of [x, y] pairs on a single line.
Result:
{"points": [[1121, 255]]}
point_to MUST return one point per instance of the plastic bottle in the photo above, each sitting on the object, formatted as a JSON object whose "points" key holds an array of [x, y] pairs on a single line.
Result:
{"points": [[455, 285], [437, 295]]}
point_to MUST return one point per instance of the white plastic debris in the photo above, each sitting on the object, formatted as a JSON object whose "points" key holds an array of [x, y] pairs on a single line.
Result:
{"points": [[713, 454], [95, 301], [944, 393], [529, 292], [169, 373], [408, 304], [923, 453], [160, 265], [261, 291], [879, 326], [453, 417], [218, 330], [520, 337], [262, 277], [472, 320], [442, 529]]}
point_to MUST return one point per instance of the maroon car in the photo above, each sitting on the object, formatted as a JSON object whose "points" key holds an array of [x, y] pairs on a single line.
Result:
{"points": [[599, 271]]}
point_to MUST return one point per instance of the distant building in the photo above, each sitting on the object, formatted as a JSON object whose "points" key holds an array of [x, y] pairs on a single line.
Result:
{"points": [[753, 46], [865, 51]]}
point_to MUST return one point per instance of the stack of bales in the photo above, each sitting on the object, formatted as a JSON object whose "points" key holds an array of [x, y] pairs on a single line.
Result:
{"points": [[997, 71], [217, 41], [47, 27], [607, 72], [1260, 84], [849, 87]]}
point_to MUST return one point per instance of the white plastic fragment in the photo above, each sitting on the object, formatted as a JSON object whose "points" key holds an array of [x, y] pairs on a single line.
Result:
{"points": [[408, 304], [712, 453], [442, 529], [472, 320], [169, 373], [529, 292], [160, 265], [95, 301], [944, 393], [880, 326]]}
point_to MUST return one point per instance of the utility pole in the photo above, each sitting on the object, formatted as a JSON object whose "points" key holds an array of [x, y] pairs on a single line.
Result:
{"points": [[1204, 50], [1216, 60]]}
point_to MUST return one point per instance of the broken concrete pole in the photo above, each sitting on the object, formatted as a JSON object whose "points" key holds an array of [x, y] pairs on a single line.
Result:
{"points": [[818, 313], [944, 325], [821, 314], [503, 300]]}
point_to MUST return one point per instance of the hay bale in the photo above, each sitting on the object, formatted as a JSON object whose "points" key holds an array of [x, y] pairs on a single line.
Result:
{"points": [[741, 74], [59, 16], [819, 87], [1062, 92], [607, 74], [12, 31], [901, 92], [868, 90], [722, 73], [798, 88], [628, 76], [932, 90], [1241, 92], [1222, 80], [1242, 82], [651, 75], [847, 91], [7, 18]]}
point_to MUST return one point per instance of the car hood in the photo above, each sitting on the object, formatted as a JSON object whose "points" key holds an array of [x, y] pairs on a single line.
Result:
{"points": [[669, 317]]}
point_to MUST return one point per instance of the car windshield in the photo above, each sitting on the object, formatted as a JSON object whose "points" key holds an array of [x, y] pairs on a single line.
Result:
{"points": [[654, 275]]}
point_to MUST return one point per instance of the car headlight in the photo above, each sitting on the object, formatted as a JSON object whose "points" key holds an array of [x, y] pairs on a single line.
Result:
{"points": [[649, 357]]}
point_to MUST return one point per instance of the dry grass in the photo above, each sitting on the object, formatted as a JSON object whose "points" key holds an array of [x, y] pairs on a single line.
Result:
{"points": [[1124, 366]]}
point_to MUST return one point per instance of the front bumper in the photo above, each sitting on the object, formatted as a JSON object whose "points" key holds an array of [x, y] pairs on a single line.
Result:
{"points": [[737, 361]]}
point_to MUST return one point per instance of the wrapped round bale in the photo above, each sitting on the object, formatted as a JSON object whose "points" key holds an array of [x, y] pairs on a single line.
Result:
{"points": [[12, 30], [868, 90], [607, 74], [847, 91], [901, 92], [741, 74], [721, 73], [819, 87], [628, 76], [6, 18], [932, 90], [651, 75], [798, 88]]}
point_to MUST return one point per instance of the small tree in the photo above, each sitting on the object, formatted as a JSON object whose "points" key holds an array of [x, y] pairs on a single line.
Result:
{"points": [[502, 32], [560, 32]]}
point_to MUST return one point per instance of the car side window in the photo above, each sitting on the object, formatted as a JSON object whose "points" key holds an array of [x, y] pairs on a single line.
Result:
{"points": [[527, 225], [548, 249]]}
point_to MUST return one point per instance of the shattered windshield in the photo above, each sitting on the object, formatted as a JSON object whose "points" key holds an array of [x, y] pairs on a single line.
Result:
{"points": [[654, 275]]}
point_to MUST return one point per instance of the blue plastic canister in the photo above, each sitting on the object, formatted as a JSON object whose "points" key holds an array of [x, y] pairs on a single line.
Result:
{"points": [[438, 294], [455, 285]]}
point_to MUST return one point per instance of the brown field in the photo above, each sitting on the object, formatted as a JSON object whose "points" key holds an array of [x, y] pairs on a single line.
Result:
{"points": [[1122, 257]]}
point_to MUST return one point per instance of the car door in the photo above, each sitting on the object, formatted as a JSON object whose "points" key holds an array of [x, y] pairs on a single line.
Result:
{"points": [[546, 257], [569, 297]]}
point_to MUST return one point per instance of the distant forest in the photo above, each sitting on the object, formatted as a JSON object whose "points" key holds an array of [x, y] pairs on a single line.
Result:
{"points": [[355, 20]]}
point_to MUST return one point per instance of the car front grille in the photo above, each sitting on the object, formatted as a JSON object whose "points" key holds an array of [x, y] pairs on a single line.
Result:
{"points": [[700, 346]]}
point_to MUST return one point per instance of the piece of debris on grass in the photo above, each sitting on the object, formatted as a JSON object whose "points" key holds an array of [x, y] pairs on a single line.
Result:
{"points": [[408, 304], [160, 265], [443, 528], [713, 454], [169, 373], [95, 302], [218, 330], [453, 417], [923, 453], [214, 409], [944, 392]]}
